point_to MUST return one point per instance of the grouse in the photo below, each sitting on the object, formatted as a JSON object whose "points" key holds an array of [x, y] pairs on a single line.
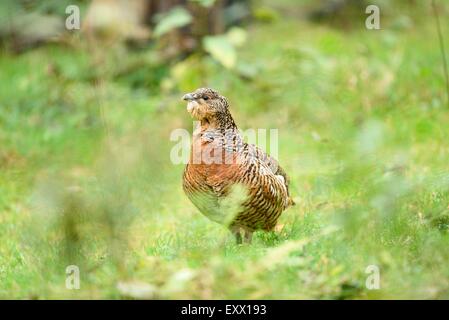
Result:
{"points": [[220, 161]]}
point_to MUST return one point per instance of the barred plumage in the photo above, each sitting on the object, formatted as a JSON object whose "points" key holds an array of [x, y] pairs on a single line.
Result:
{"points": [[221, 160]]}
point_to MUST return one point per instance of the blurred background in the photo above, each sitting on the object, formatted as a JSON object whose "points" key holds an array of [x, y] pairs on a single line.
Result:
{"points": [[85, 171]]}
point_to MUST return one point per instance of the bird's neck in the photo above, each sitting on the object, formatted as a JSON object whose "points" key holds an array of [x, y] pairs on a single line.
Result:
{"points": [[221, 122]]}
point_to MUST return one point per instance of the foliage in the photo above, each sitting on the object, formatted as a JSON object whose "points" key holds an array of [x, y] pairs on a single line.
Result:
{"points": [[86, 178], [223, 47], [205, 3], [175, 18]]}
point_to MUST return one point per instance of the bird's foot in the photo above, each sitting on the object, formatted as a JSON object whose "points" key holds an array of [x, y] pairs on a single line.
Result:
{"points": [[242, 236]]}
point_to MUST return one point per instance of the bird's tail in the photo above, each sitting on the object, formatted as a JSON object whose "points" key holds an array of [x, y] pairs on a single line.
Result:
{"points": [[291, 202]]}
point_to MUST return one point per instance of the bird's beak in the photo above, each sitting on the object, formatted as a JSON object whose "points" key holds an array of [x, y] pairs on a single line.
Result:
{"points": [[188, 97]]}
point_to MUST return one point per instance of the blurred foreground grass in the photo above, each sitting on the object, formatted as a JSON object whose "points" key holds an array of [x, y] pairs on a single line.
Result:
{"points": [[86, 177]]}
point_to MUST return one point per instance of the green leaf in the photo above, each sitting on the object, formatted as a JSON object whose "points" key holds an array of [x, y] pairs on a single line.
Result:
{"points": [[221, 49], [205, 3], [237, 36], [176, 18]]}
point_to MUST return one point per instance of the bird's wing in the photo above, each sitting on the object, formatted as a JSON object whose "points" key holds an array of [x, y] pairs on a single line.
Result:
{"points": [[271, 163]]}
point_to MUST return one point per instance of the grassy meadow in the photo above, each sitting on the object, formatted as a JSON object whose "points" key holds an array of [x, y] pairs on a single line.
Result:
{"points": [[86, 177]]}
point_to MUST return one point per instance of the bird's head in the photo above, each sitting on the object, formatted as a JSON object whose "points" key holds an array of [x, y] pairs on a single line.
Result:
{"points": [[209, 107]]}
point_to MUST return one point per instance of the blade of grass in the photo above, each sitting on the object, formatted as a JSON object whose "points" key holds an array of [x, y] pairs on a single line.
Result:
{"points": [[443, 52]]}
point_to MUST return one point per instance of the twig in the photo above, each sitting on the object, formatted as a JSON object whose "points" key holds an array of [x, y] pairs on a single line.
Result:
{"points": [[443, 52]]}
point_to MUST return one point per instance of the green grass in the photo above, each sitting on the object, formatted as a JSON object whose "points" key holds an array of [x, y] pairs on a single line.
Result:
{"points": [[86, 177]]}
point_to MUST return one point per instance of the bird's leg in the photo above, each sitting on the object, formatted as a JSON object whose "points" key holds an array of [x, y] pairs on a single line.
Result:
{"points": [[237, 234], [248, 237], [242, 235], [238, 237]]}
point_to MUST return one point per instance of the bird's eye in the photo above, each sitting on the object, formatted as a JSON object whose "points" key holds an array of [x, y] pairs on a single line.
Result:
{"points": [[205, 98]]}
